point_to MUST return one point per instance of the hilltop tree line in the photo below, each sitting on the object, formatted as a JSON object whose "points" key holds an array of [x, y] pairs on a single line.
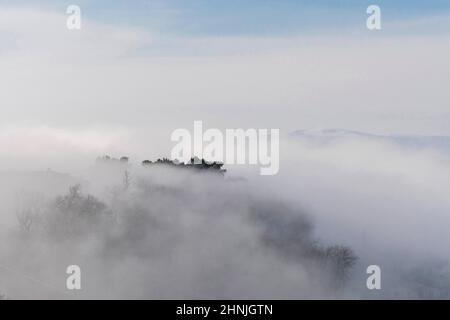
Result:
{"points": [[194, 163]]}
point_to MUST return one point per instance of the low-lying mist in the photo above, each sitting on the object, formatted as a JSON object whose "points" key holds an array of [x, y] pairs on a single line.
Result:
{"points": [[165, 232]]}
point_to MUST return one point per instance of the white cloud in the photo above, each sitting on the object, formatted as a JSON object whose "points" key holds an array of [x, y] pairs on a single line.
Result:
{"points": [[109, 76], [43, 34]]}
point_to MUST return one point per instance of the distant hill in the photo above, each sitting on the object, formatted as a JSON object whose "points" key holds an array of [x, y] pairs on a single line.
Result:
{"points": [[408, 141]]}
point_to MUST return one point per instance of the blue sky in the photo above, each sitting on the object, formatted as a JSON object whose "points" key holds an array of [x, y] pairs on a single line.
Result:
{"points": [[211, 60], [238, 17]]}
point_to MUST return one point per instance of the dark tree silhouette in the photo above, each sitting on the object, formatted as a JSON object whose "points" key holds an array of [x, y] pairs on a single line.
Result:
{"points": [[194, 163], [107, 159], [75, 213]]}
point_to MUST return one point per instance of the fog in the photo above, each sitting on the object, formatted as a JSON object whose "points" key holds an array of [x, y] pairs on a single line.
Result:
{"points": [[166, 234], [337, 206], [341, 201]]}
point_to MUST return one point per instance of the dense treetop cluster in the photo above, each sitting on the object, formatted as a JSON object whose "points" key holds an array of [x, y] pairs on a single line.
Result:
{"points": [[194, 163]]}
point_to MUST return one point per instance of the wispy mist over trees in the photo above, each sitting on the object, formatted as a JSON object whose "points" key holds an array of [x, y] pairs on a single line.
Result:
{"points": [[161, 229], [166, 231]]}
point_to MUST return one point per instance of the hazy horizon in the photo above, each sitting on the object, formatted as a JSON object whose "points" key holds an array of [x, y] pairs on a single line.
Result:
{"points": [[364, 157]]}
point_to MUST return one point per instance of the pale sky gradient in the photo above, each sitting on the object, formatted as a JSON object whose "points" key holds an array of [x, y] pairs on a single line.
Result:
{"points": [[128, 85]]}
